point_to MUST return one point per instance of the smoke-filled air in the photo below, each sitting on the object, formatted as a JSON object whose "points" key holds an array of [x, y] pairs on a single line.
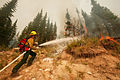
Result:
{"points": [[59, 40]]}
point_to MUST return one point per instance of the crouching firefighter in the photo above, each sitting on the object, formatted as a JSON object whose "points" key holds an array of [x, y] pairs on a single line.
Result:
{"points": [[28, 46]]}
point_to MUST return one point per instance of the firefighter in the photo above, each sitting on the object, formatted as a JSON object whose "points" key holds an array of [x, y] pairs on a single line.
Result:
{"points": [[29, 44]]}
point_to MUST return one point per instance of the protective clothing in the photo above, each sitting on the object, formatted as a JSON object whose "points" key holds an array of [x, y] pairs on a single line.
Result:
{"points": [[28, 44]]}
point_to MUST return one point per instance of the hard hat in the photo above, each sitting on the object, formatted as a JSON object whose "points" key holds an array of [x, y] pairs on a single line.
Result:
{"points": [[33, 33]]}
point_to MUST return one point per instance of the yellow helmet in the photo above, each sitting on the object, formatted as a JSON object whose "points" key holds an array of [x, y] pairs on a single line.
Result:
{"points": [[33, 33]]}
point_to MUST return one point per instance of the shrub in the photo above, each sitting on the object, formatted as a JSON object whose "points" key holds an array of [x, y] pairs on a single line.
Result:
{"points": [[83, 42]]}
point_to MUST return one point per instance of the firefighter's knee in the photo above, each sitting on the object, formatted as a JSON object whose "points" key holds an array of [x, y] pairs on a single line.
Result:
{"points": [[23, 61]]}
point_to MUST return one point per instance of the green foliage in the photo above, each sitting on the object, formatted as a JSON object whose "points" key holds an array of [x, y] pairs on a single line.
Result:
{"points": [[68, 16], [74, 26], [88, 21], [54, 31], [7, 30], [101, 21], [75, 43], [106, 16], [46, 31]]}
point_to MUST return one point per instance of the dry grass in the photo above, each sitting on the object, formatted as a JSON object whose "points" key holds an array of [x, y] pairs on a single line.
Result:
{"points": [[87, 47], [83, 42], [83, 47]]}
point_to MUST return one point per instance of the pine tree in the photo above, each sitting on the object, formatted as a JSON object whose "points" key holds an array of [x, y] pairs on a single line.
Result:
{"points": [[55, 31], [68, 26], [33, 25], [7, 30], [68, 16], [51, 31], [13, 42], [42, 26], [48, 30], [42, 30], [88, 21], [109, 20]]}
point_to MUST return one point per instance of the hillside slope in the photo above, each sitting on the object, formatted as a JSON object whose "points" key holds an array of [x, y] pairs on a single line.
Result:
{"points": [[51, 65]]}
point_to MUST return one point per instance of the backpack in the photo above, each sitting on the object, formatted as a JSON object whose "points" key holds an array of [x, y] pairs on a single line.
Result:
{"points": [[22, 46]]}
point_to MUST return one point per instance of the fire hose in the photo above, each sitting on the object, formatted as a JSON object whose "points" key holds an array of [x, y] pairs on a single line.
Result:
{"points": [[12, 61]]}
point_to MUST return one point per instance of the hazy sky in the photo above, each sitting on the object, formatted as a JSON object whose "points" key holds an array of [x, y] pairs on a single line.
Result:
{"points": [[56, 9]]}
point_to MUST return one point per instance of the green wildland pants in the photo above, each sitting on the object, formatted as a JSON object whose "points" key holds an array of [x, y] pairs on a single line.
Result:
{"points": [[23, 61]]}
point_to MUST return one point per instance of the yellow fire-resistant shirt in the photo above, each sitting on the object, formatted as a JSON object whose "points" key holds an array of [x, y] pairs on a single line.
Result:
{"points": [[30, 43]]}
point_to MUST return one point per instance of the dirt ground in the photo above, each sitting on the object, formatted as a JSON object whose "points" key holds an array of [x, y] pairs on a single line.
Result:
{"points": [[64, 66]]}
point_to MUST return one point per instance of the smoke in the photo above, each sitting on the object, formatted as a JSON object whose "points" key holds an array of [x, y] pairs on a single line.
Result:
{"points": [[28, 9], [56, 11], [84, 5]]}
